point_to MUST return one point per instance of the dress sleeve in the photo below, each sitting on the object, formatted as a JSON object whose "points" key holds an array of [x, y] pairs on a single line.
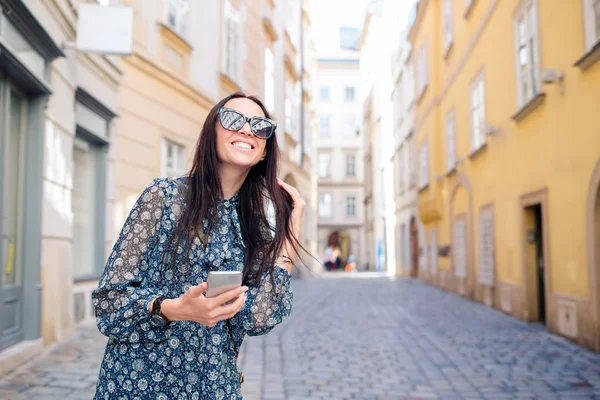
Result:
{"points": [[125, 288], [266, 305]]}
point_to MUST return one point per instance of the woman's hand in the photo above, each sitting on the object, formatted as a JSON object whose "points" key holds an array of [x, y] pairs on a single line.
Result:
{"points": [[296, 218], [194, 306]]}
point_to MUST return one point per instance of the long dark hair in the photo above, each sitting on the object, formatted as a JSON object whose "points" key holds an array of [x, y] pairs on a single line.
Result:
{"points": [[263, 242]]}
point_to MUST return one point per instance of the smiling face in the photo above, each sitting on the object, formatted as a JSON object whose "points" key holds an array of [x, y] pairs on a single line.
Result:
{"points": [[240, 148]]}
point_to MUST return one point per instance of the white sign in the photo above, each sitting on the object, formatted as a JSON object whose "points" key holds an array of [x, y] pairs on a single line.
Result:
{"points": [[105, 30]]}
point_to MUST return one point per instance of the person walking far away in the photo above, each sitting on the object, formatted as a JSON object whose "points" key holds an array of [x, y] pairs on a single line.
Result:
{"points": [[167, 340]]}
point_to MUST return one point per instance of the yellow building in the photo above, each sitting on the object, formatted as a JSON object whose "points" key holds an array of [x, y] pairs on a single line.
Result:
{"points": [[509, 156]]}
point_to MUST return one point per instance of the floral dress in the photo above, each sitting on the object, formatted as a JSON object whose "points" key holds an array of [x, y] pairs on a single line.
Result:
{"points": [[184, 360]]}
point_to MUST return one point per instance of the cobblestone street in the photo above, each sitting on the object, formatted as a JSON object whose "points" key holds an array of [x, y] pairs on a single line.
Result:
{"points": [[365, 339]]}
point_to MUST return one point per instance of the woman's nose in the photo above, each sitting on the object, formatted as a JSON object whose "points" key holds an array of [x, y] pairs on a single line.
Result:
{"points": [[246, 129]]}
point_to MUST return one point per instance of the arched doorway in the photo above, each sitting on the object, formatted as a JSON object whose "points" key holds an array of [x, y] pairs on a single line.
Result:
{"points": [[461, 232], [414, 248], [593, 240], [340, 241]]}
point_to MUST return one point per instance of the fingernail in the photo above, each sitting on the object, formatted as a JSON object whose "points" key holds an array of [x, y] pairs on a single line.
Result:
{"points": [[245, 288]]}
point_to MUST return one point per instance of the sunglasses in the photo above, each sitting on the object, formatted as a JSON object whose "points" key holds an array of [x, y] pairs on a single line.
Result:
{"points": [[233, 120]]}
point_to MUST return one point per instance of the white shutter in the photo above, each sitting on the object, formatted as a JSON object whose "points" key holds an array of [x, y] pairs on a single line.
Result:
{"points": [[433, 256], [460, 248], [486, 247]]}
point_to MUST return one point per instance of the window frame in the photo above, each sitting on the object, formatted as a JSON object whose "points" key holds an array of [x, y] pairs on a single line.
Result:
{"points": [[450, 144], [166, 171], [422, 79], [181, 8], [349, 89], [350, 156], [591, 29], [424, 166], [481, 139], [448, 28], [327, 134], [322, 197], [348, 204], [322, 156], [533, 74], [231, 49], [324, 89]]}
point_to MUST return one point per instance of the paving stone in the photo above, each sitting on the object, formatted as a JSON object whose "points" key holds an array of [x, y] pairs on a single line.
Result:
{"points": [[374, 339]]}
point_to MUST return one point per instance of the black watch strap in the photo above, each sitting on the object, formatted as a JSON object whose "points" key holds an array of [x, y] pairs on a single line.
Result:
{"points": [[156, 308]]}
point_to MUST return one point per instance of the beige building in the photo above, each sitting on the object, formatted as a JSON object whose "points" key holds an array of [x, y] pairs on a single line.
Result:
{"points": [[105, 127], [55, 143], [340, 155]]}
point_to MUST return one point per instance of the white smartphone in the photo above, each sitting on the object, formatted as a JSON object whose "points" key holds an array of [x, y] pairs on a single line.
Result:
{"points": [[222, 281]]}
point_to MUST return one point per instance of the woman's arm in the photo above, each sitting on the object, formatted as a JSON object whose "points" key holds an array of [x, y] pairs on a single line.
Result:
{"points": [[266, 304], [125, 289]]}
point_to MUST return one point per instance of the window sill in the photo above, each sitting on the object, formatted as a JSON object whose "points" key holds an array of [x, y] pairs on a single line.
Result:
{"points": [[451, 171], [229, 84], [87, 277], [421, 94], [177, 36], [589, 58], [448, 50], [529, 107], [469, 9], [475, 153]]}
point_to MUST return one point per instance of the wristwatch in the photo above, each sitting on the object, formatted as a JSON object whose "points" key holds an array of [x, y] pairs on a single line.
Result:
{"points": [[156, 316]]}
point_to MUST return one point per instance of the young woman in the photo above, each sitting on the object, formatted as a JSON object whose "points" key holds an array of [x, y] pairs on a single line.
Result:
{"points": [[166, 339]]}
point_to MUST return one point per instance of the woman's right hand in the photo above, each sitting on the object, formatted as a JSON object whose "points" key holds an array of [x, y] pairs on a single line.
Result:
{"points": [[194, 306]]}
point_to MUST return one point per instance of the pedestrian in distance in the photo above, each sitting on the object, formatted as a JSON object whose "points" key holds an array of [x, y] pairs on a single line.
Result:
{"points": [[166, 339]]}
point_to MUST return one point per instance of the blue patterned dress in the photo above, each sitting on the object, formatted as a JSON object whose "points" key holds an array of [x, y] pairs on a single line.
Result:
{"points": [[185, 360]]}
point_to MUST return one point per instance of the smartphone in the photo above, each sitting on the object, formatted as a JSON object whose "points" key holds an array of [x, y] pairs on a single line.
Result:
{"points": [[222, 281]]}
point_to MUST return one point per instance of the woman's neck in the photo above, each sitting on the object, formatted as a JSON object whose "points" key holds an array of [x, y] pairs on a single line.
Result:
{"points": [[231, 179]]}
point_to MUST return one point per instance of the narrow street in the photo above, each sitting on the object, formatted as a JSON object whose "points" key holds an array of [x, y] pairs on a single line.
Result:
{"points": [[366, 339]]}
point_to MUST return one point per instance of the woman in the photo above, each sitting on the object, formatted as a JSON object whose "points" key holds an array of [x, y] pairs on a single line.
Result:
{"points": [[166, 339]]}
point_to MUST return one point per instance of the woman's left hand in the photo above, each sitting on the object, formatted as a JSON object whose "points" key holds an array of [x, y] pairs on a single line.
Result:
{"points": [[298, 208]]}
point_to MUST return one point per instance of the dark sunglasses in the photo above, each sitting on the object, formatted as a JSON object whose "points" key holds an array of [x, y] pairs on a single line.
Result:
{"points": [[233, 120]]}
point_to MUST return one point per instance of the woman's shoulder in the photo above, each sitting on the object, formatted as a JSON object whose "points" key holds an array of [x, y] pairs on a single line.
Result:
{"points": [[169, 188]]}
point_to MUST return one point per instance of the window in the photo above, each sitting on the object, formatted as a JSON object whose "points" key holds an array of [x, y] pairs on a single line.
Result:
{"points": [[324, 126], [325, 205], [350, 206], [591, 14], [349, 93], [422, 72], [288, 107], [269, 80], [89, 185], [448, 27], [84, 202], [350, 165], [526, 46], [477, 114], [433, 256], [423, 166], [349, 129], [450, 142], [411, 169], [175, 15], [324, 93], [173, 163], [409, 87], [231, 40], [401, 169], [324, 163]]}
